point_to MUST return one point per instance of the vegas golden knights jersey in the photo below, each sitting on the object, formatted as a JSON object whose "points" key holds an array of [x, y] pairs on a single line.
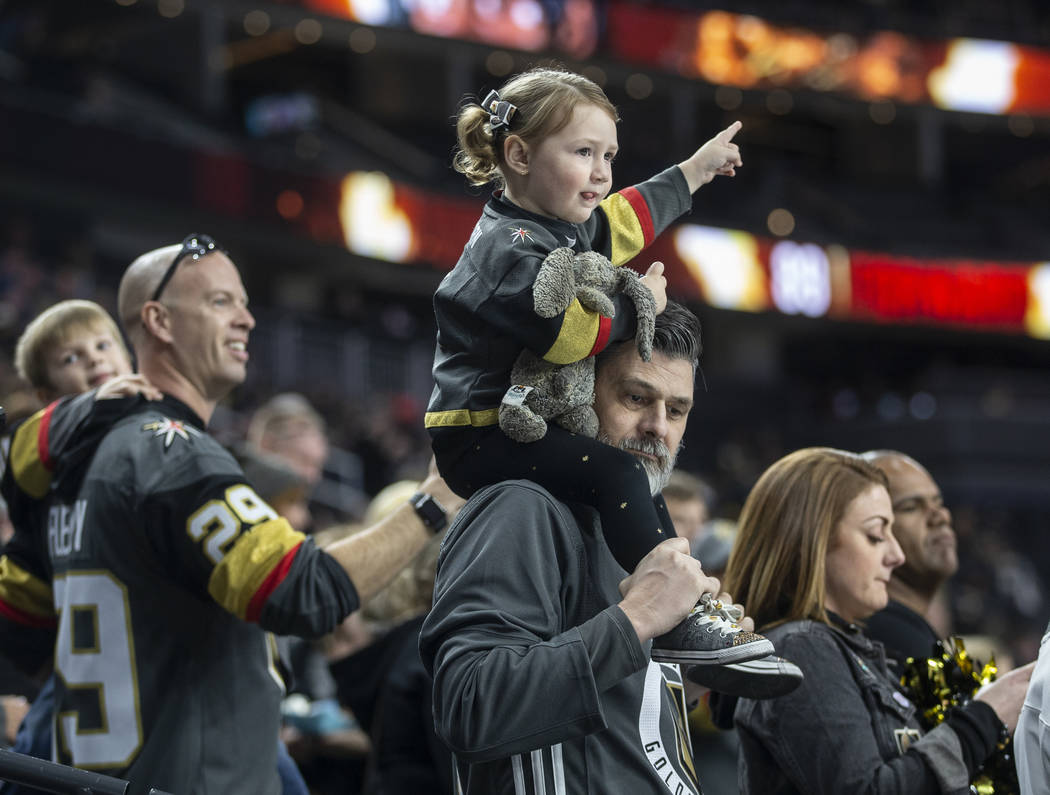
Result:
{"points": [[158, 571]]}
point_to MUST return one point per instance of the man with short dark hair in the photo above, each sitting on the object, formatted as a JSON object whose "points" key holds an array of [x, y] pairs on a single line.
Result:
{"points": [[538, 645]]}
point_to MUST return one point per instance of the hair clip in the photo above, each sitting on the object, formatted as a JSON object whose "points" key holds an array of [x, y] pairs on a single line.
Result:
{"points": [[501, 111]]}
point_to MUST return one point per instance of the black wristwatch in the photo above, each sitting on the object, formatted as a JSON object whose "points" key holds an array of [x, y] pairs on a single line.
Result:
{"points": [[432, 512]]}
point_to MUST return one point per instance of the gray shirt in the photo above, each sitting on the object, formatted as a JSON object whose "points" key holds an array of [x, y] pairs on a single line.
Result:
{"points": [[1032, 737], [540, 682]]}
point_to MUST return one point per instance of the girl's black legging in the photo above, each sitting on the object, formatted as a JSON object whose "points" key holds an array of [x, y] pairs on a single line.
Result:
{"points": [[571, 467]]}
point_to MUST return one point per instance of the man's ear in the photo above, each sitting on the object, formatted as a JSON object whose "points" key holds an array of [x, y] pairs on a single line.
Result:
{"points": [[156, 320], [516, 154]]}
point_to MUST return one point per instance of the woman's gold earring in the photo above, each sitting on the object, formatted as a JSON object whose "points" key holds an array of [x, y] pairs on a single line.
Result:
{"points": [[524, 172]]}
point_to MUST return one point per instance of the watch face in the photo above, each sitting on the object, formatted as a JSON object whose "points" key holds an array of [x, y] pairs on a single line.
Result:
{"points": [[432, 514]]}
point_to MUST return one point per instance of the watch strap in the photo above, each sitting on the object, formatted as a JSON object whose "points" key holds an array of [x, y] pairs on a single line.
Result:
{"points": [[430, 511]]}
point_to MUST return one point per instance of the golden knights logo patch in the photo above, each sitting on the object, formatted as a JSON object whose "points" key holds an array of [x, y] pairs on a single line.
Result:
{"points": [[169, 429], [519, 234]]}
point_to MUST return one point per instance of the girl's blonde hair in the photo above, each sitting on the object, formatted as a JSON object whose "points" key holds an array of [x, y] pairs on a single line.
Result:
{"points": [[545, 98], [777, 566], [58, 325]]}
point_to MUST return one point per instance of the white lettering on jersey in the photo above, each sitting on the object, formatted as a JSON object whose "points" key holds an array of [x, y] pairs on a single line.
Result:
{"points": [[65, 528], [663, 760]]}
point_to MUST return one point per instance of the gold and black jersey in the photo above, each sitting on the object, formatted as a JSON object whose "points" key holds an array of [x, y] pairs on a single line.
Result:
{"points": [[162, 573], [484, 306]]}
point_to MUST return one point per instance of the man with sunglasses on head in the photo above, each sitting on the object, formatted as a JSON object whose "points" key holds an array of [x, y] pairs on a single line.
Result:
{"points": [[163, 572]]}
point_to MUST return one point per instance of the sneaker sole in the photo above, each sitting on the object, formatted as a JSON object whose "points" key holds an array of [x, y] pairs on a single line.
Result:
{"points": [[769, 677], [733, 654]]}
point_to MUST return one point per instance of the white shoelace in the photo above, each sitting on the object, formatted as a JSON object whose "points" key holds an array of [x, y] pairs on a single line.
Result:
{"points": [[724, 616]]}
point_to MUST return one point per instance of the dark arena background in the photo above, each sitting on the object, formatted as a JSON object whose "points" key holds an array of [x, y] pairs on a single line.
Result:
{"points": [[877, 275]]}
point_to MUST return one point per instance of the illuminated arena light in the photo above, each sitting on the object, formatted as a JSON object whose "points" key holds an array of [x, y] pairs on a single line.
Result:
{"points": [[733, 269]]}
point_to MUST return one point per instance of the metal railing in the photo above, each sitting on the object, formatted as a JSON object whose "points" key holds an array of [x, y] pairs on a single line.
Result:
{"points": [[29, 771]]}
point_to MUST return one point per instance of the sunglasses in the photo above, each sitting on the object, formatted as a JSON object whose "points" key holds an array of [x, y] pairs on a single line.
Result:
{"points": [[195, 246]]}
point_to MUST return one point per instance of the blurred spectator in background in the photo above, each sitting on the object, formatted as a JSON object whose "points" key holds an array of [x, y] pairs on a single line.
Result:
{"points": [[407, 756], [1009, 604], [391, 440], [922, 525], [21, 274], [387, 681], [323, 738], [289, 427], [691, 501], [339, 699], [278, 483]]}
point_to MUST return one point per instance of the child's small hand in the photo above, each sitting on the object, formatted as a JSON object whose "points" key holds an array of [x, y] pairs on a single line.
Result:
{"points": [[657, 284], [126, 386], [718, 157]]}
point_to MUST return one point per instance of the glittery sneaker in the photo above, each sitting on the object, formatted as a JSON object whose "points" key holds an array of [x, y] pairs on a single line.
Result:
{"points": [[766, 677], [710, 635]]}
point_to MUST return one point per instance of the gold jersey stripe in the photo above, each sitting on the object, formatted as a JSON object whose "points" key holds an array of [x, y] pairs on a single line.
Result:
{"points": [[22, 591], [29, 471], [458, 417], [249, 562], [627, 236], [576, 339]]}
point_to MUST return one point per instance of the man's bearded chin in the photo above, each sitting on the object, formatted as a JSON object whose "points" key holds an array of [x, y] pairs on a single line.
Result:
{"points": [[658, 472]]}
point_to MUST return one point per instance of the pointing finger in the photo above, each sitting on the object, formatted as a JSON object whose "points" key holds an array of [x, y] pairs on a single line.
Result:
{"points": [[727, 134]]}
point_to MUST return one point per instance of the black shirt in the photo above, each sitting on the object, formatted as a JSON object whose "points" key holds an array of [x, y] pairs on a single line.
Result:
{"points": [[904, 633]]}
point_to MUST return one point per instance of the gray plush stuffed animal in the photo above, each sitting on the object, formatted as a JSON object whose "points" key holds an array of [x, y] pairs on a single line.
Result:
{"points": [[564, 392]]}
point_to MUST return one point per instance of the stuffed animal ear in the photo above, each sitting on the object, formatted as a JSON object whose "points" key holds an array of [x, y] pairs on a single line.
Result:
{"points": [[555, 285], [645, 309], [594, 299], [596, 280]]}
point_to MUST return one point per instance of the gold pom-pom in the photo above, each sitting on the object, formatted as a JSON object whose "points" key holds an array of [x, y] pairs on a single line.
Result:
{"points": [[950, 678]]}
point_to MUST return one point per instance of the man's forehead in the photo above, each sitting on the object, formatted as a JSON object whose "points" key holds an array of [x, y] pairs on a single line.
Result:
{"points": [[670, 377], [908, 476]]}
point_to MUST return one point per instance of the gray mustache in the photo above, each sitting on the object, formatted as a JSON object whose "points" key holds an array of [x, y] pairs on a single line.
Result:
{"points": [[647, 446]]}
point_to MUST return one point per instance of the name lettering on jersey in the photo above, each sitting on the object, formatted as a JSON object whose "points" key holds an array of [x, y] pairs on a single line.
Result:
{"points": [[65, 528], [169, 429], [662, 735], [519, 234]]}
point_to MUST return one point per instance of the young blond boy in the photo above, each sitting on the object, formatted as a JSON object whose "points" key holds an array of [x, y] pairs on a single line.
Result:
{"points": [[69, 348]]}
